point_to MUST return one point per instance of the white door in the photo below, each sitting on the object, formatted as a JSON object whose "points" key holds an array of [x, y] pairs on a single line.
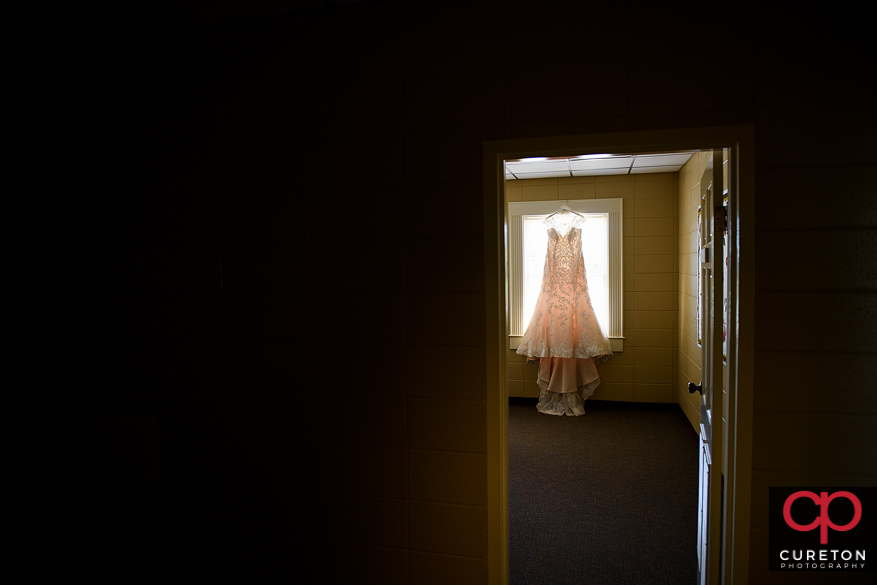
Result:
{"points": [[711, 260]]}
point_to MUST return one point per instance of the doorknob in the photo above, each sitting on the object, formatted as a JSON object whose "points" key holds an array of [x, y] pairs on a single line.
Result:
{"points": [[692, 387]]}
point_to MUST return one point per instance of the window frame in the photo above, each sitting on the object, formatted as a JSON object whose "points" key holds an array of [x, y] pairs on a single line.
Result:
{"points": [[615, 210]]}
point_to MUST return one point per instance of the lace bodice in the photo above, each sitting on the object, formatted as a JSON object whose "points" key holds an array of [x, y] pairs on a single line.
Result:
{"points": [[563, 221]]}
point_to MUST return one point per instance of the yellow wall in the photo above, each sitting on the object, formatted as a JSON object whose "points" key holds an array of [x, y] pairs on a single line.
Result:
{"points": [[689, 359], [645, 370], [689, 353]]}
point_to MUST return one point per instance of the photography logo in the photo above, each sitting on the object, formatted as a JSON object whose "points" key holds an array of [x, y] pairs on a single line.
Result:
{"points": [[823, 529]]}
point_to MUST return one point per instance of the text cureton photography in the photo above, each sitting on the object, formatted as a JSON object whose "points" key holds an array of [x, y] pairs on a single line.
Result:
{"points": [[822, 528]]}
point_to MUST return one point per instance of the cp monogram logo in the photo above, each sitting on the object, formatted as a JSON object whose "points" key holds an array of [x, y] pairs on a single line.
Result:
{"points": [[822, 521]]}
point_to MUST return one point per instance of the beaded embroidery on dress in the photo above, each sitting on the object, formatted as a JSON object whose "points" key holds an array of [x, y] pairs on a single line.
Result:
{"points": [[564, 339]]}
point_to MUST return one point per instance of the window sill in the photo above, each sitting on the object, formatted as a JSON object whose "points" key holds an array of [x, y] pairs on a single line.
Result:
{"points": [[617, 343]]}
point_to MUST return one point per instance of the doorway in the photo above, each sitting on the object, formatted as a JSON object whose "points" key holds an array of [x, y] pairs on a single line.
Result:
{"points": [[496, 228]]}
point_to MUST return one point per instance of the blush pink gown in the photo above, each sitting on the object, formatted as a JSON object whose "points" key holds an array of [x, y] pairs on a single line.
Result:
{"points": [[564, 340]]}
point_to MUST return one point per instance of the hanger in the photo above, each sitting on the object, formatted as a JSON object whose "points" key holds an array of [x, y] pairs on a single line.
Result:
{"points": [[565, 208]]}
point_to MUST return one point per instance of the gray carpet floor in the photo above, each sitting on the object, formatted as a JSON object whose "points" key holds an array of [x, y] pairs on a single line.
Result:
{"points": [[608, 497]]}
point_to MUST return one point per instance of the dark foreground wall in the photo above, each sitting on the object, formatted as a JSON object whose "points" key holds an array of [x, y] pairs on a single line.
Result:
{"points": [[275, 336]]}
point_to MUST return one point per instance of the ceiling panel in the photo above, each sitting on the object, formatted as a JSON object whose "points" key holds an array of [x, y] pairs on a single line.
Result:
{"points": [[652, 160], [538, 166], [655, 169], [542, 175], [594, 172], [590, 165]]}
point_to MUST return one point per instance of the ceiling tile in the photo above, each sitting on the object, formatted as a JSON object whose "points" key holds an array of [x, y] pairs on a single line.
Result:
{"points": [[655, 160], [593, 172], [538, 166], [657, 169], [615, 162], [542, 175]]}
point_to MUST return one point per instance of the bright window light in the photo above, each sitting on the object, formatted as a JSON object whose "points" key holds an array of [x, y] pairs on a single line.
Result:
{"points": [[596, 254], [602, 250]]}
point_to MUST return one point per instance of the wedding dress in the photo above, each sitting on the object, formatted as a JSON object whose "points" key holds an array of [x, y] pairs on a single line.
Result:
{"points": [[564, 340]]}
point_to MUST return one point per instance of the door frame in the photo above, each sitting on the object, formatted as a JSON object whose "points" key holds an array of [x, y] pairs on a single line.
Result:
{"points": [[738, 430]]}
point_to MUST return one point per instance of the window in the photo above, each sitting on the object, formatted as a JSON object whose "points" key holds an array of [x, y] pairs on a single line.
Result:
{"points": [[601, 248]]}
